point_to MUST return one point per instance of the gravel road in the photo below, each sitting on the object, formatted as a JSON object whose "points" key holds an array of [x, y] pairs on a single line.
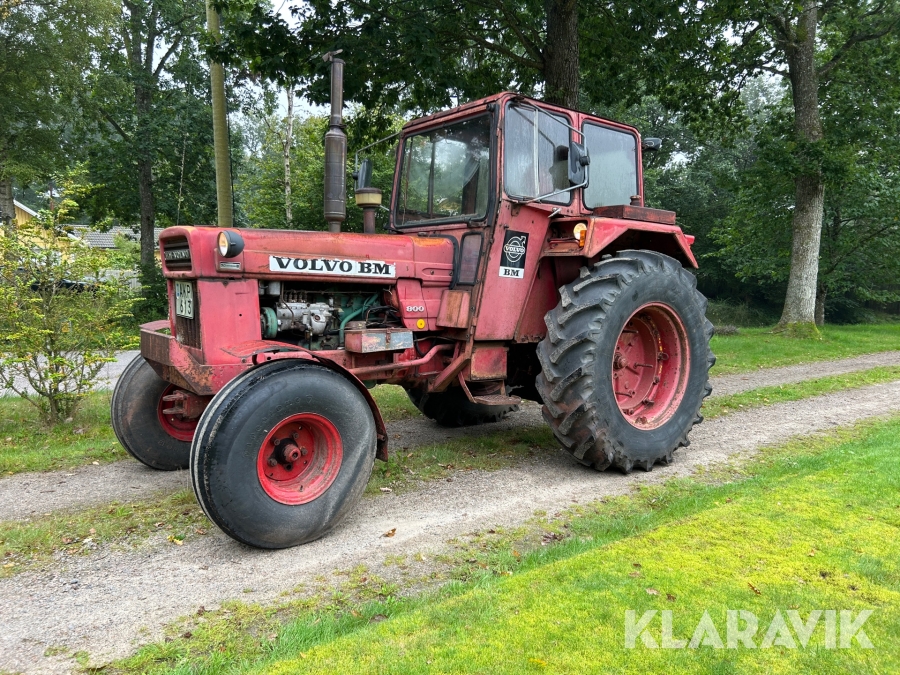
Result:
{"points": [[767, 377], [29, 494], [122, 599]]}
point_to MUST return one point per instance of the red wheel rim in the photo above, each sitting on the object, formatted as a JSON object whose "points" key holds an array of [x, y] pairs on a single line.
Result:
{"points": [[299, 459], [177, 426], [650, 366]]}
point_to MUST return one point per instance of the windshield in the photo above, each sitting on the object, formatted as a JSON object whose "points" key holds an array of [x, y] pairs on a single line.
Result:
{"points": [[445, 173]]}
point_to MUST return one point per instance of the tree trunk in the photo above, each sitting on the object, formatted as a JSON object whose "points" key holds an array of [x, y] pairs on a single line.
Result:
{"points": [[286, 146], [148, 212], [7, 206], [220, 128], [561, 76], [809, 188]]}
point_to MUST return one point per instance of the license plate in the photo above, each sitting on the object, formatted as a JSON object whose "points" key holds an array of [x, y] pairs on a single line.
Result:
{"points": [[184, 299]]}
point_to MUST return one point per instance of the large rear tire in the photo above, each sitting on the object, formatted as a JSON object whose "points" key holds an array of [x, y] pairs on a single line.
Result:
{"points": [[625, 364], [158, 440], [283, 453], [452, 408]]}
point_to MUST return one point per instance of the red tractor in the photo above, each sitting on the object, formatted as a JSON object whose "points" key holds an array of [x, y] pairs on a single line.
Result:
{"points": [[519, 263]]}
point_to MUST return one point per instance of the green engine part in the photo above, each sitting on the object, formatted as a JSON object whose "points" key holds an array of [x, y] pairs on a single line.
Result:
{"points": [[268, 322]]}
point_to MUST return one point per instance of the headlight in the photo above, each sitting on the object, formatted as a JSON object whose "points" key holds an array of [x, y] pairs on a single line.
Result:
{"points": [[230, 244]]}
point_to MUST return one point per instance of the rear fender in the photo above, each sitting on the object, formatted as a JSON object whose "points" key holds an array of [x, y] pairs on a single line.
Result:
{"points": [[381, 451], [611, 235]]}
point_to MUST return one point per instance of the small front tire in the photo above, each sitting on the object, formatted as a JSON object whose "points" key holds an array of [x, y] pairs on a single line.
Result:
{"points": [[149, 435], [283, 454]]}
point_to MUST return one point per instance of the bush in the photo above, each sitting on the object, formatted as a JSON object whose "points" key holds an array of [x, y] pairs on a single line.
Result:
{"points": [[60, 320]]}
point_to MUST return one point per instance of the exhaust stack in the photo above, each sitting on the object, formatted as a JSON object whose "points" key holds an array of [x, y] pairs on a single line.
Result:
{"points": [[336, 150]]}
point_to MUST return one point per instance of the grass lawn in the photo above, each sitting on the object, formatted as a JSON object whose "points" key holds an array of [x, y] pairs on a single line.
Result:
{"points": [[756, 348], [811, 526], [26, 444]]}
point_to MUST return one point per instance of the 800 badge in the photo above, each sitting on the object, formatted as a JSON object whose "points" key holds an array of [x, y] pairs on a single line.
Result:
{"points": [[512, 261]]}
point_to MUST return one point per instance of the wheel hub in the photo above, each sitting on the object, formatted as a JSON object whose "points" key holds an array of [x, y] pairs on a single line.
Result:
{"points": [[176, 413], [650, 366], [299, 459]]}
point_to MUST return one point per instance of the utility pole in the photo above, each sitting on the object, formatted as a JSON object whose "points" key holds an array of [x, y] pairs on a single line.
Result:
{"points": [[220, 127], [286, 147]]}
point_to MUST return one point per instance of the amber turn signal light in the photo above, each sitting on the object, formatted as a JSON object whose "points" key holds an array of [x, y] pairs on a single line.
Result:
{"points": [[580, 233]]}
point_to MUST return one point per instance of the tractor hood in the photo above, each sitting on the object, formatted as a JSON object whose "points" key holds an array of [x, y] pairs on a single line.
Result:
{"points": [[191, 252]]}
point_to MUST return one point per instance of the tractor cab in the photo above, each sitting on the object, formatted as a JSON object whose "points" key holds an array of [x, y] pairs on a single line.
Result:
{"points": [[455, 166]]}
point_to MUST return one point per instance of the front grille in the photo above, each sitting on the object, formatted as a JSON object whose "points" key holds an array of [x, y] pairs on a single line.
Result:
{"points": [[187, 331], [176, 254]]}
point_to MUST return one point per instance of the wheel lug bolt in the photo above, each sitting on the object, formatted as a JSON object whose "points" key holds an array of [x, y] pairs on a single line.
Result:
{"points": [[272, 461], [304, 452]]}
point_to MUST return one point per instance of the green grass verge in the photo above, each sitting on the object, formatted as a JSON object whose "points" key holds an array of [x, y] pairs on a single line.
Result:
{"points": [[394, 403], [810, 525], [722, 405], [489, 452], [756, 348], [28, 445]]}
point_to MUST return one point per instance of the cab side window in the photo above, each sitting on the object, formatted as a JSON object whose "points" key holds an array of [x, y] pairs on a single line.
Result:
{"points": [[613, 170], [537, 154]]}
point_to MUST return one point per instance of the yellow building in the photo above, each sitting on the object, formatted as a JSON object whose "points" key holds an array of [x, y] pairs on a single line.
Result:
{"points": [[23, 213]]}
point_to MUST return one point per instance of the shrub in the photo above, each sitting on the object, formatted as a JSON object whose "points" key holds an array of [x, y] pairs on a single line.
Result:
{"points": [[60, 321]]}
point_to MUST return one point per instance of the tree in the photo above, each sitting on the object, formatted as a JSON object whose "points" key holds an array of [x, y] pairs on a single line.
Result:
{"points": [[45, 47], [152, 94], [860, 179], [261, 184], [806, 43], [421, 56], [61, 320]]}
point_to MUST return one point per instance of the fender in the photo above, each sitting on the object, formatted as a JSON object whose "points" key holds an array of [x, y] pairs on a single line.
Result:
{"points": [[603, 233], [275, 351]]}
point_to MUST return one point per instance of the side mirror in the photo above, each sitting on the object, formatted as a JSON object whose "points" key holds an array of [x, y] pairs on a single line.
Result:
{"points": [[363, 175], [578, 160], [651, 144]]}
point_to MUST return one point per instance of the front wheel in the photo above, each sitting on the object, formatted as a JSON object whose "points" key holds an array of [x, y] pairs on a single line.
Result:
{"points": [[625, 364], [149, 434], [283, 453]]}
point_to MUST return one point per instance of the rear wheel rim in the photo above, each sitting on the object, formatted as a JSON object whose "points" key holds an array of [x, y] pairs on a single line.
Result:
{"points": [[650, 366], [299, 459], [178, 427]]}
